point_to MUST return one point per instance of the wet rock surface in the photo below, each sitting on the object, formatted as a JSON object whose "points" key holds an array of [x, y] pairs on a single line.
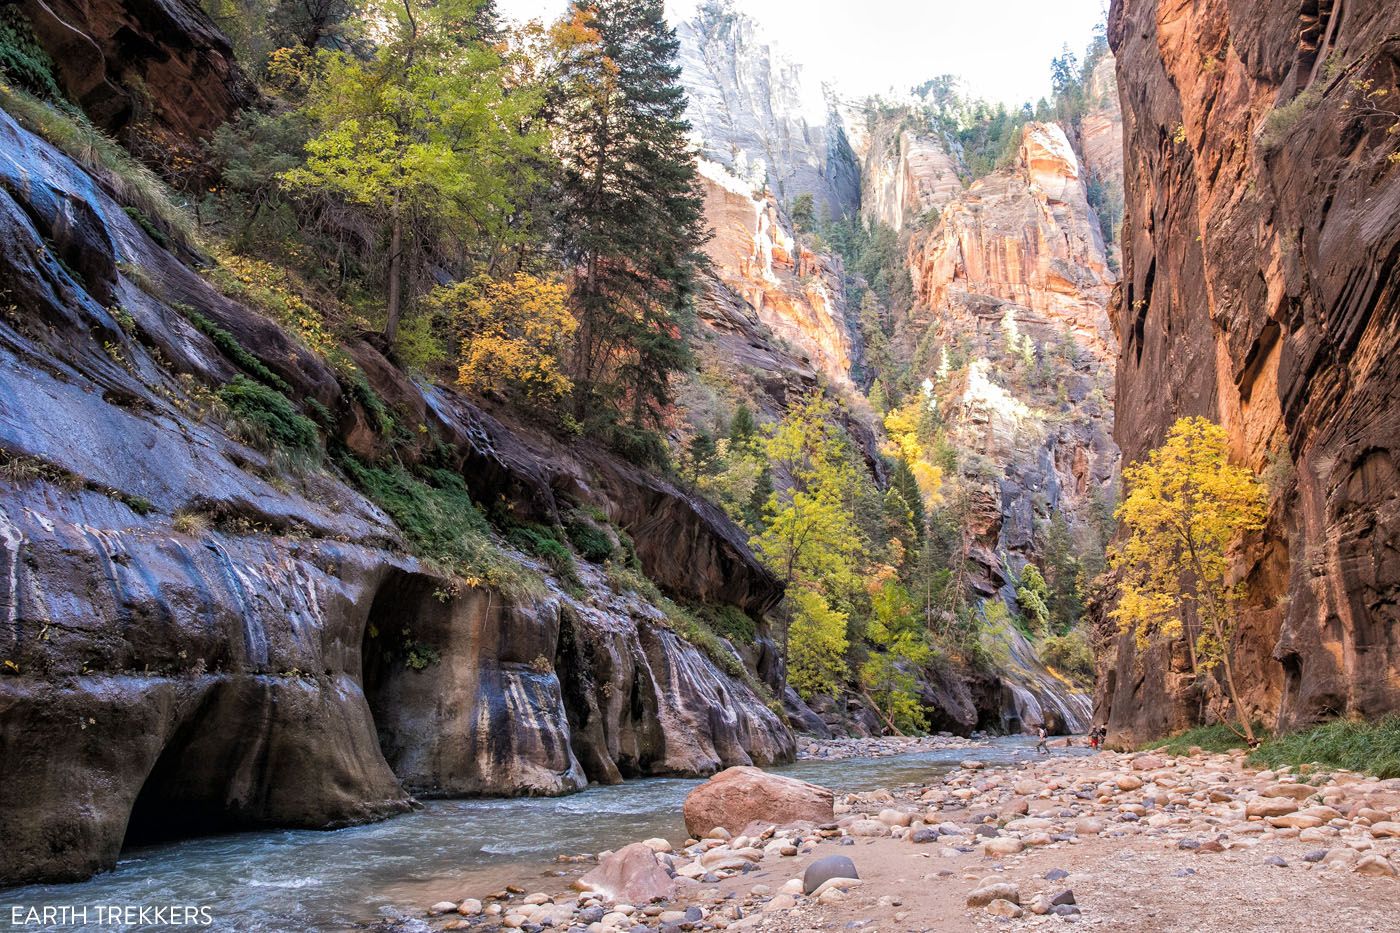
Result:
{"points": [[194, 634]]}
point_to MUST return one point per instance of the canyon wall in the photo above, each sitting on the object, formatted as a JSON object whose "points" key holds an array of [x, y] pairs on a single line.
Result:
{"points": [[1011, 284], [157, 73], [797, 294], [197, 634], [755, 113], [1261, 289]]}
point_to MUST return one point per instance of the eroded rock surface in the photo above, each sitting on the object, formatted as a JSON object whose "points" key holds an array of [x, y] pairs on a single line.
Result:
{"points": [[197, 638], [111, 55], [1262, 290]]}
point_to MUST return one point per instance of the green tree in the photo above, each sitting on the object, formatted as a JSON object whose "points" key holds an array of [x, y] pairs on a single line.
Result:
{"points": [[810, 538], [803, 213], [426, 135], [630, 217], [1031, 596], [890, 675], [1063, 576], [816, 646], [1187, 507]]}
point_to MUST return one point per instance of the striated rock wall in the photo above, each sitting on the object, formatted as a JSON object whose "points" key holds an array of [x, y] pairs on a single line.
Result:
{"points": [[158, 72], [1024, 236], [194, 636], [798, 295], [906, 176], [1262, 289], [754, 112]]}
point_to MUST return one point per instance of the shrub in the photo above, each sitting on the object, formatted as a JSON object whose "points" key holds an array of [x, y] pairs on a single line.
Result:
{"points": [[733, 623], [268, 416], [592, 542], [436, 513], [235, 351], [1282, 119], [1071, 655], [22, 60], [545, 543]]}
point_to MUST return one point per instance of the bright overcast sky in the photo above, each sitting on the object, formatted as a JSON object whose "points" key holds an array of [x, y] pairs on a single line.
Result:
{"points": [[1002, 48]]}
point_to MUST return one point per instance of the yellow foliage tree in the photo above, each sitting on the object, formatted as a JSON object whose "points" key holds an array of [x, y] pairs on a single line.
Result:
{"points": [[1187, 507], [902, 426], [514, 334], [816, 645]]}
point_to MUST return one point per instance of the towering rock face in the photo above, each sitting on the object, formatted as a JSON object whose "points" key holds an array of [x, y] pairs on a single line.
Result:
{"points": [[1026, 238], [767, 135], [756, 114], [1100, 141], [158, 72], [906, 176], [1101, 127], [798, 295], [1262, 290], [193, 638]]}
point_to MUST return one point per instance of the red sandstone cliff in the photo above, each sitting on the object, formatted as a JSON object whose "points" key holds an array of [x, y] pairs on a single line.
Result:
{"points": [[1262, 289]]}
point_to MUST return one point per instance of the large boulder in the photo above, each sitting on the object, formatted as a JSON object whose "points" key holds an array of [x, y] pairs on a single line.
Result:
{"points": [[632, 874], [736, 796]]}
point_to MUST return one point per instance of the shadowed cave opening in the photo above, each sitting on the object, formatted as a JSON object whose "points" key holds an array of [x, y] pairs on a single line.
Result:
{"points": [[179, 799], [398, 639]]}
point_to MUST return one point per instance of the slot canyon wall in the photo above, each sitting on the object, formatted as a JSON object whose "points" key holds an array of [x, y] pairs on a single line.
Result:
{"points": [[1261, 289]]}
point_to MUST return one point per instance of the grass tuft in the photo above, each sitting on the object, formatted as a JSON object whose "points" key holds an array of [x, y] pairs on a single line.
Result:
{"points": [[1369, 747], [268, 417], [131, 183], [1217, 738], [443, 525]]}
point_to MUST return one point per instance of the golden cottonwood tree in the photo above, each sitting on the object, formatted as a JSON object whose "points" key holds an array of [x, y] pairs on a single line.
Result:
{"points": [[515, 333], [810, 540], [1187, 507]]}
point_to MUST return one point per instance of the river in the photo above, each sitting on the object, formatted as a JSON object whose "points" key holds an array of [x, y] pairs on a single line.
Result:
{"points": [[283, 880]]}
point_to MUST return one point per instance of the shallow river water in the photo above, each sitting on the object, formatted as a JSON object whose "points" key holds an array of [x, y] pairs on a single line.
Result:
{"points": [[344, 879]]}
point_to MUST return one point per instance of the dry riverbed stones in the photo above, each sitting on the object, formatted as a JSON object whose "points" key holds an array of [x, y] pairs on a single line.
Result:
{"points": [[988, 825]]}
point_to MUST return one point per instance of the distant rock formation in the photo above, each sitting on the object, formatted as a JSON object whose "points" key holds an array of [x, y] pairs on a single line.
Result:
{"points": [[755, 113]]}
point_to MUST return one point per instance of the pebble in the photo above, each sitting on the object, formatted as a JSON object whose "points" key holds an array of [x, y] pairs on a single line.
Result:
{"points": [[1002, 846]]}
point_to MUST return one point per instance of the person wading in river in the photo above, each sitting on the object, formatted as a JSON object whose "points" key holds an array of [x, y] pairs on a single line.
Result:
{"points": [[1040, 746]]}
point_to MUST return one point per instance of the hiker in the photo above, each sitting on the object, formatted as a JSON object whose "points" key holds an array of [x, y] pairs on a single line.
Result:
{"points": [[1040, 746]]}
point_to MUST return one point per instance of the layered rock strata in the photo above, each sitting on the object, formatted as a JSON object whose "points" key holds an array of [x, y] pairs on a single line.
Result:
{"points": [[1262, 290]]}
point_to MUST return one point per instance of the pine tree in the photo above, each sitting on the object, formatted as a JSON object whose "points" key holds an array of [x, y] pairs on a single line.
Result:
{"points": [[742, 427], [631, 215]]}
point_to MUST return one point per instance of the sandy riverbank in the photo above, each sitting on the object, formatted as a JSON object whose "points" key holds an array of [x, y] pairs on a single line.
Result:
{"points": [[1142, 842]]}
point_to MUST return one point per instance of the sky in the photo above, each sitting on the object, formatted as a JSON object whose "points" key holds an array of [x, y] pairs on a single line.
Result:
{"points": [[1001, 48]]}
